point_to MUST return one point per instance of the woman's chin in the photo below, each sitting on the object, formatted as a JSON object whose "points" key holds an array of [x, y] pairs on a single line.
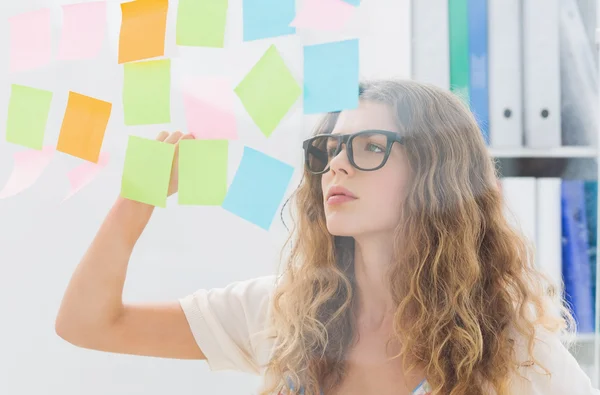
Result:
{"points": [[336, 228]]}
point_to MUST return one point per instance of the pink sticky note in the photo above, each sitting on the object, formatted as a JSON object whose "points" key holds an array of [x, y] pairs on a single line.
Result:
{"points": [[30, 45], [28, 166], [208, 104], [85, 173], [329, 15], [83, 30]]}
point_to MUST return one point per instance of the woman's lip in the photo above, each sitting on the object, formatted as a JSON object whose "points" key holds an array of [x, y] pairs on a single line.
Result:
{"points": [[339, 190], [339, 199]]}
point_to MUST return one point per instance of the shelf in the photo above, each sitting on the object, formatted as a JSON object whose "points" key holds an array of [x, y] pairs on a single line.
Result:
{"points": [[558, 152], [586, 337]]}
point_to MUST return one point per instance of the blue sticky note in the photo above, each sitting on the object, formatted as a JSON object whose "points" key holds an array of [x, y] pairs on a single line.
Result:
{"points": [[268, 18], [258, 187], [352, 2], [331, 76]]}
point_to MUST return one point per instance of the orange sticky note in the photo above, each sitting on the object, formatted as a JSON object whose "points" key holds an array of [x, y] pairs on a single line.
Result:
{"points": [[83, 127], [143, 27]]}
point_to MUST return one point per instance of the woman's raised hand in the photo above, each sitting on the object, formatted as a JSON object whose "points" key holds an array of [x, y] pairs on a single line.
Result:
{"points": [[174, 138]]}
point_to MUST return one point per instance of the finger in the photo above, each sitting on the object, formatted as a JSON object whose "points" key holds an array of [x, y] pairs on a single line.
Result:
{"points": [[162, 136], [181, 137], [188, 136], [173, 138]]}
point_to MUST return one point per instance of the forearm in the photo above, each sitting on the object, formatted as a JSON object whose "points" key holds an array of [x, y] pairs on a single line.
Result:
{"points": [[93, 298]]}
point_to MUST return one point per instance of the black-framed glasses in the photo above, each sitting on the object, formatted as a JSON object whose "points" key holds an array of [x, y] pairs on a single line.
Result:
{"points": [[367, 150]]}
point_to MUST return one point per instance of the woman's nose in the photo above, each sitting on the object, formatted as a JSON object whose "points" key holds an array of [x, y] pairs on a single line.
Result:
{"points": [[340, 163]]}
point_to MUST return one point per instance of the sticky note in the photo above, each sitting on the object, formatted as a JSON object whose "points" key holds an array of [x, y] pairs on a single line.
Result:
{"points": [[352, 2], [209, 107], [83, 126], [147, 171], [268, 18], [83, 30], [28, 167], [268, 91], [201, 23], [147, 92], [85, 173], [326, 15], [258, 187], [143, 28], [202, 172], [28, 110], [331, 79], [30, 45]]}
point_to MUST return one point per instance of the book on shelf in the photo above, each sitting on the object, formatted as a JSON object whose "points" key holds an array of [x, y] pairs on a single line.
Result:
{"points": [[558, 217], [503, 59]]}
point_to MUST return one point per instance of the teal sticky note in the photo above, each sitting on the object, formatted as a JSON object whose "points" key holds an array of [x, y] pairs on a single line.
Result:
{"points": [[258, 187], [147, 171], [352, 2], [331, 76], [268, 18]]}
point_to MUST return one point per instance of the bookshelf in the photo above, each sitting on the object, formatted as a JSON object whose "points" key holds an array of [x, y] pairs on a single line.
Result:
{"points": [[527, 66], [559, 152], [586, 337], [587, 345], [596, 342], [586, 348]]}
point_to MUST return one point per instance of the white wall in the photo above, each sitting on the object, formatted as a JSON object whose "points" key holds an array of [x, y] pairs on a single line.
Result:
{"points": [[183, 248]]}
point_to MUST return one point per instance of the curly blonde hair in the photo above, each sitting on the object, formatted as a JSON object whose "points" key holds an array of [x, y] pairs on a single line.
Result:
{"points": [[464, 279]]}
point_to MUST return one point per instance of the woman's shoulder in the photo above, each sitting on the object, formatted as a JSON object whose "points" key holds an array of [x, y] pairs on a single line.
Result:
{"points": [[229, 322], [555, 369], [250, 293]]}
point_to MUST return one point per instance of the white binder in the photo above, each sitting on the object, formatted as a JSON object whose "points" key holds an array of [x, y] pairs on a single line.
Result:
{"points": [[541, 66], [430, 42], [505, 73], [519, 195], [549, 230]]}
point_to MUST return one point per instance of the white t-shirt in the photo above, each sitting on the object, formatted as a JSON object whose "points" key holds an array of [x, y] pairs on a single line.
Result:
{"points": [[229, 326]]}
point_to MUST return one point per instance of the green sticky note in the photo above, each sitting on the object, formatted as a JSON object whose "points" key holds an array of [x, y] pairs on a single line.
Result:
{"points": [[147, 92], [268, 91], [202, 172], [201, 23], [147, 171], [28, 110]]}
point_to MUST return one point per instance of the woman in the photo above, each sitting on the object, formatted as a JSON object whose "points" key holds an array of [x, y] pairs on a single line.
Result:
{"points": [[403, 275]]}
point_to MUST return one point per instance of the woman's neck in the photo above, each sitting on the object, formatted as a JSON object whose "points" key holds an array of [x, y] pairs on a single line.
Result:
{"points": [[371, 265]]}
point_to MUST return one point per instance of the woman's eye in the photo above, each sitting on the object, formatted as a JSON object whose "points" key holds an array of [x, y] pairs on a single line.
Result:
{"points": [[374, 148]]}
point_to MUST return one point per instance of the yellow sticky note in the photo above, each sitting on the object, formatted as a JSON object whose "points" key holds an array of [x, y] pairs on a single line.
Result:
{"points": [[147, 92], [83, 127], [28, 110], [202, 172], [147, 171], [268, 91], [143, 27], [201, 23]]}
